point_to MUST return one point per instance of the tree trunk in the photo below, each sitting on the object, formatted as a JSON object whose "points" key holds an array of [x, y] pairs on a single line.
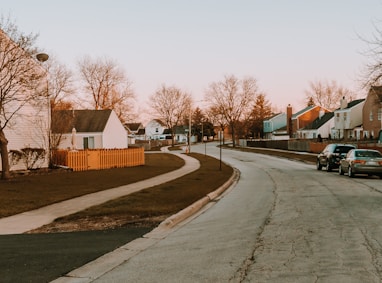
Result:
{"points": [[5, 174], [233, 135]]}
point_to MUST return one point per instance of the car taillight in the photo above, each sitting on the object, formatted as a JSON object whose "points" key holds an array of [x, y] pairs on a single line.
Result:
{"points": [[380, 162], [359, 161]]}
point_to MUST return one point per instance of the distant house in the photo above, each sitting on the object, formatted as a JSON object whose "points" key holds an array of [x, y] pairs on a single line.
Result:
{"points": [[29, 127], [274, 125], [348, 119], [155, 130], [321, 126], [88, 129], [135, 131], [302, 118], [372, 113]]}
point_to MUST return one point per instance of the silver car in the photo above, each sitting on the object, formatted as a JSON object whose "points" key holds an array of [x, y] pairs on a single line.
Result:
{"points": [[361, 161]]}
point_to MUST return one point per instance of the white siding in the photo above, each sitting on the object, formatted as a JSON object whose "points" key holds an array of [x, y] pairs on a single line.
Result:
{"points": [[154, 130], [29, 128], [114, 135]]}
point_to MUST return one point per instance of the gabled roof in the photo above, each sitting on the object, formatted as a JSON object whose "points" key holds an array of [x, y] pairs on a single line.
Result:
{"points": [[306, 109], [274, 116], [84, 121], [160, 122], [133, 126], [351, 104], [316, 124], [354, 103]]}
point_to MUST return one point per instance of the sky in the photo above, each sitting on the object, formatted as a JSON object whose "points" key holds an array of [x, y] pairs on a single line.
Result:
{"points": [[283, 44]]}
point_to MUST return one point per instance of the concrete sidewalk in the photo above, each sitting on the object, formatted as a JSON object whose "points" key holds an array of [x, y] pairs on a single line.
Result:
{"points": [[23, 222]]}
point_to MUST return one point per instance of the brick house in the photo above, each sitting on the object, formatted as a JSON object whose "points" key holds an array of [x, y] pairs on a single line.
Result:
{"points": [[372, 113], [302, 118]]}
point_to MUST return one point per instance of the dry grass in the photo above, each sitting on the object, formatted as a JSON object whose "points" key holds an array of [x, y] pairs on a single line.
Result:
{"points": [[148, 207], [27, 192]]}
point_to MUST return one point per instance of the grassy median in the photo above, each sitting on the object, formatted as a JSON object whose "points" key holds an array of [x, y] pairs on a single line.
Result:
{"points": [[148, 207]]}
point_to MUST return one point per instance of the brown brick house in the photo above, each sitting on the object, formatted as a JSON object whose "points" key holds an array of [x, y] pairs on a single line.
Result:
{"points": [[372, 112], [302, 118]]}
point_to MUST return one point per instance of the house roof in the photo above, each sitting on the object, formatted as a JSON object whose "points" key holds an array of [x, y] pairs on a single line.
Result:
{"points": [[82, 120], [354, 103], [294, 116], [351, 104], [274, 116], [158, 121], [133, 126], [317, 123]]}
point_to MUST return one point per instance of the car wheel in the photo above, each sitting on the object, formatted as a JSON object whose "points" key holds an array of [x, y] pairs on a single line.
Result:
{"points": [[328, 167], [350, 172], [340, 171], [319, 166]]}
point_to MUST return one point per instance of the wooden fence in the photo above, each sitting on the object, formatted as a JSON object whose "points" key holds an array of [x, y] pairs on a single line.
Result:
{"points": [[96, 159]]}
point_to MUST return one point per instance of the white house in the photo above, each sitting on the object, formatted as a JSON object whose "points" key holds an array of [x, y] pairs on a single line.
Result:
{"points": [[88, 129], [135, 131], [347, 118], [273, 125], [322, 126], [25, 114], [155, 130]]}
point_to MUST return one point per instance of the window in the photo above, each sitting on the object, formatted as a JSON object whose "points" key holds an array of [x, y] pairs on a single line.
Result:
{"points": [[371, 115], [338, 116], [345, 116], [88, 142], [379, 114], [156, 130]]}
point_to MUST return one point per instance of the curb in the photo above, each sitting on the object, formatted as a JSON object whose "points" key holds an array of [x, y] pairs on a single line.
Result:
{"points": [[198, 205]]}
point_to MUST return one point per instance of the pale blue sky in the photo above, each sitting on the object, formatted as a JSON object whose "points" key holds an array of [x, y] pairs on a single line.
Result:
{"points": [[284, 44]]}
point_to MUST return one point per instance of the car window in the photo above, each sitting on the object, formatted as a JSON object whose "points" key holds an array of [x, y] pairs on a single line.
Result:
{"points": [[343, 149], [366, 153]]}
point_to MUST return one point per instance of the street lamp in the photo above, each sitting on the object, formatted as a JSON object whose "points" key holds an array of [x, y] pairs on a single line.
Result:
{"points": [[42, 57]]}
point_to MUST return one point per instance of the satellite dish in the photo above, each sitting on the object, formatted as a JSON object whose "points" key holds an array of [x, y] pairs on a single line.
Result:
{"points": [[42, 57]]}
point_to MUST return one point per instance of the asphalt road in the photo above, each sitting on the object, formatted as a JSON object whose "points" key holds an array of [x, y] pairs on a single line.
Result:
{"points": [[44, 257], [283, 222]]}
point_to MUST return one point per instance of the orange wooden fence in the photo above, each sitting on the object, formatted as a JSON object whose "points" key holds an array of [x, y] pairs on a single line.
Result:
{"points": [[95, 159]]}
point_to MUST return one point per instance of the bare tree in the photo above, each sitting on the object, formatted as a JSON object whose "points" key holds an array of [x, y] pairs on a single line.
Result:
{"points": [[327, 94], [232, 98], [217, 118], [107, 85], [373, 69], [61, 84], [172, 105], [20, 80]]}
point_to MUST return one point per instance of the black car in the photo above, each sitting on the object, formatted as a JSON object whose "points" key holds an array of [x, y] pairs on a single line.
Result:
{"points": [[332, 154]]}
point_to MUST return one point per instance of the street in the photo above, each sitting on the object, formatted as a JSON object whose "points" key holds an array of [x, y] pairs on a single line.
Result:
{"points": [[284, 221]]}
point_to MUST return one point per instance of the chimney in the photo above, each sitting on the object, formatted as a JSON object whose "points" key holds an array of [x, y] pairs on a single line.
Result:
{"points": [[289, 120], [321, 113], [344, 103]]}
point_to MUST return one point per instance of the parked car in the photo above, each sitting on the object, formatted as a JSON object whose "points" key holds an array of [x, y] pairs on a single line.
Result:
{"points": [[362, 161], [332, 154]]}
